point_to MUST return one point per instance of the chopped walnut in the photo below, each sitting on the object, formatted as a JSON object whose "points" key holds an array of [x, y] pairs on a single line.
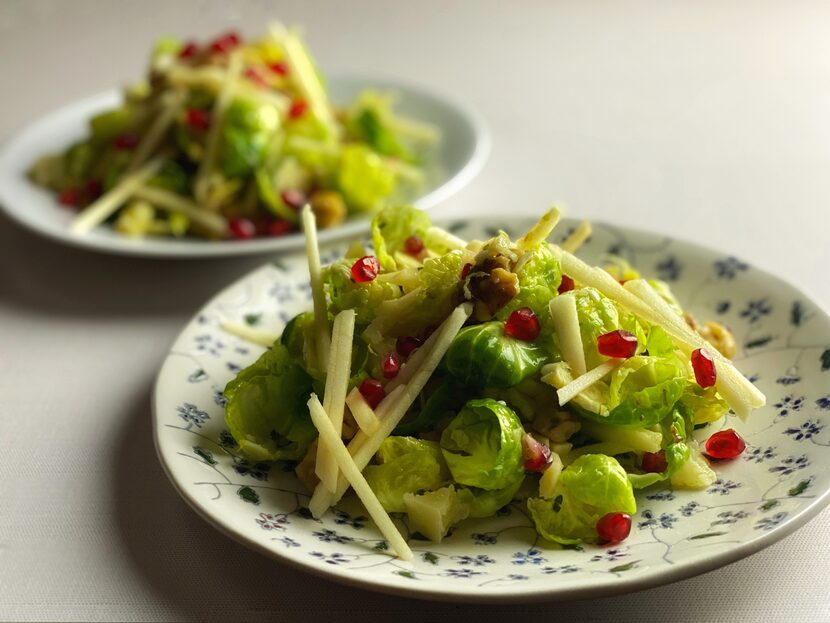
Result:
{"points": [[305, 468], [328, 207], [716, 334]]}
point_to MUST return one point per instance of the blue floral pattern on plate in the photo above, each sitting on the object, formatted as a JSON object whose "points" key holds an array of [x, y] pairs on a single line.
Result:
{"points": [[784, 476]]}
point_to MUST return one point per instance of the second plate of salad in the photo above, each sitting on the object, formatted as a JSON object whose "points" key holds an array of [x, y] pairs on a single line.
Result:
{"points": [[216, 150]]}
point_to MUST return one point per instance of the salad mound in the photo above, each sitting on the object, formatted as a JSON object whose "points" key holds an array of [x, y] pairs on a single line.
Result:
{"points": [[229, 139], [458, 377]]}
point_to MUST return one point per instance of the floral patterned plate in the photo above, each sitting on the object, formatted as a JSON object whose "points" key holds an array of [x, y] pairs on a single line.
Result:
{"points": [[781, 481]]}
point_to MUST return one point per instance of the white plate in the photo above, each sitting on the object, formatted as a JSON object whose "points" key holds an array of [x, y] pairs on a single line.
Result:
{"points": [[464, 148], [781, 481]]}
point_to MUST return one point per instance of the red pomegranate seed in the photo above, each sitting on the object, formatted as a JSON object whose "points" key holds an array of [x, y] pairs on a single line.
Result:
{"points": [[294, 198], [614, 527], [125, 141], [654, 462], [92, 190], [372, 391], [523, 324], [278, 227], [405, 345], [704, 367], [242, 228], [225, 43], [566, 285], [198, 118], [298, 109], [279, 68], [725, 444], [189, 49], [365, 269], [619, 344], [413, 245], [390, 365], [254, 76], [69, 197], [465, 270], [536, 455]]}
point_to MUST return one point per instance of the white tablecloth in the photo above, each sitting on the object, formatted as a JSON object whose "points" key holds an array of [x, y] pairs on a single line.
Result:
{"points": [[705, 119]]}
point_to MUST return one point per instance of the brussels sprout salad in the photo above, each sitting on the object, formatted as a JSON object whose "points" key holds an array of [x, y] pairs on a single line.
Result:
{"points": [[456, 377], [229, 139]]}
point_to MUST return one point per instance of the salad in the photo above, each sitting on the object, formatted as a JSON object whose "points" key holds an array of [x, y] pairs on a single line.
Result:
{"points": [[443, 379], [229, 139]]}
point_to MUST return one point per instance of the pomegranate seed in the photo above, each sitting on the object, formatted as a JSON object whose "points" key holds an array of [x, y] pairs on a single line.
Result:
{"points": [[413, 245], [704, 367], [278, 227], [725, 444], [619, 344], [372, 391], [242, 228], [465, 270], [390, 365], [69, 197], [523, 324], [125, 141], [365, 269], [189, 49], [253, 75], [279, 68], [298, 109], [198, 118], [225, 43], [614, 527], [294, 198], [536, 455], [405, 345], [92, 190], [622, 282], [566, 285], [654, 462]]}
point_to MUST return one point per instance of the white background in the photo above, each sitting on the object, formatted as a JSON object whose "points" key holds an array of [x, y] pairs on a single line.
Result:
{"points": [[708, 120]]}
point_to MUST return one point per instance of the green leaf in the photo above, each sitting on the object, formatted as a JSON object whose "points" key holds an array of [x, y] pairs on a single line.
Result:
{"points": [[406, 465], [248, 495], [483, 356], [797, 314], [768, 505], [706, 535], [483, 445], [406, 574], [590, 487], [759, 341], [430, 558], [381, 546], [205, 455], [363, 178], [626, 567], [800, 488], [247, 132], [825, 360], [267, 412], [252, 319], [390, 229]]}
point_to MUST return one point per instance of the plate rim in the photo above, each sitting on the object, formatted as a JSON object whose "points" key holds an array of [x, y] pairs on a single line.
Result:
{"points": [[623, 585], [472, 167]]}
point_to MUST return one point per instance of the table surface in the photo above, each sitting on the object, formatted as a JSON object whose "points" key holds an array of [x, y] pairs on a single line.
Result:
{"points": [[704, 118]]}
